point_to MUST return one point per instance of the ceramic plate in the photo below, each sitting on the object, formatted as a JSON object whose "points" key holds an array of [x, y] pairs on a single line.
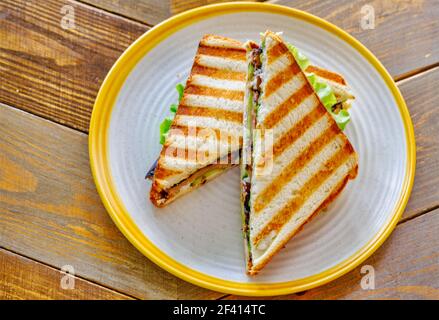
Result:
{"points": [[198, 237]]}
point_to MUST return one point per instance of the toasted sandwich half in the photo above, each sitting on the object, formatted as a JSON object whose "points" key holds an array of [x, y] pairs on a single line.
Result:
{"points": [[295, 158], [205, 136]]}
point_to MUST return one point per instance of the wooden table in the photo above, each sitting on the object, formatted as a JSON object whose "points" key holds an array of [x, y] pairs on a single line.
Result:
{"points": [[50, 213]]}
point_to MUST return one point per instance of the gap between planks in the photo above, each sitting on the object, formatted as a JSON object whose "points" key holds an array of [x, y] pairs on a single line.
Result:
{"points": [[416, 215], [111, 12], [413, 73]]}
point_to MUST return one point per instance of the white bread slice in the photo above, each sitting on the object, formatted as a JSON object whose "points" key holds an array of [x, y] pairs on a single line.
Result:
{"points": [[207, 126], [312, 159]]}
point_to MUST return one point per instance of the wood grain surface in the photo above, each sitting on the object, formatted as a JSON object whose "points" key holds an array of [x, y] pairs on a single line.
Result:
{"points": [[50, 211], [150, 12], [54, 72], [22, 278], [404, 34], [405, 267]]}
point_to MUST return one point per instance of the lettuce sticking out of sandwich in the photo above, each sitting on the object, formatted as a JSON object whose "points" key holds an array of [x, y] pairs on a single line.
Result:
{"points": [[167, 122], [335, 104]]}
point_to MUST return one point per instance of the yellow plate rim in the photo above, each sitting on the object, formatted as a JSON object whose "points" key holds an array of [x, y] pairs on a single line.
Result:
{"points": [[98, 137]]}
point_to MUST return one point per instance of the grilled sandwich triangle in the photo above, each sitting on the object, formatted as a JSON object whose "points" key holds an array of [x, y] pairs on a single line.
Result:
{"points": [[206, 134], [296, 159]]}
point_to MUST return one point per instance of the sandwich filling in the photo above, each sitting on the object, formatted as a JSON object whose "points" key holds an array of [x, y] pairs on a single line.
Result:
{"points": [[162, 196], [250, 114]]}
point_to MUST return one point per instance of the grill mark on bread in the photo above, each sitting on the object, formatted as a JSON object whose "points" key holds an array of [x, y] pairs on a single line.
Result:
{"points": [[230, 53], [192, 155], [221, 63], [293, 168], [282, 110], [336, 191], [294, 133], [211, 40], [281, 78], [276, 51], [288, 211], [163, 172], [231, 116], [326, 74], [199, 156], [206, 143], [219, 134], [214, 92], [218, 73], [186, 131]]}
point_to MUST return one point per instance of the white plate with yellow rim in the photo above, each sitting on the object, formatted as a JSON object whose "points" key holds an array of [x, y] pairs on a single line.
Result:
{"points": [[198, 237]]}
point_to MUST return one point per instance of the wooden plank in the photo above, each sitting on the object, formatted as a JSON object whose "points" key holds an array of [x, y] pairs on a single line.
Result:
{"points": [[405, 34], [150, 12], [421, 97], [50, 211], [55, 72], [405, 267], [22, 278]]}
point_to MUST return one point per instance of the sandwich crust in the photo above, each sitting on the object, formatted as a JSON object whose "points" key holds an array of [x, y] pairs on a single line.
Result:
{"points": [[326, 74]]}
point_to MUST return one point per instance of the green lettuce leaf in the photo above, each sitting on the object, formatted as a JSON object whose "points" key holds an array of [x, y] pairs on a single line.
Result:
{"points": [[324, 91], [180, 90], [342, 118], [174, 108], [164, 128], [167, 122], [302, 60]]}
